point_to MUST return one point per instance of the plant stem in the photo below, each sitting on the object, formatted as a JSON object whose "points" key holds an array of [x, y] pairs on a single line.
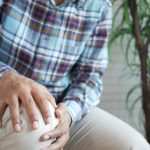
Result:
{"points": [[143, 56]]}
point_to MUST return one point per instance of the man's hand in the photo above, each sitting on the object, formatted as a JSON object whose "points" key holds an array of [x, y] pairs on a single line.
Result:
{"points": [[15, 88], [61, 133]]}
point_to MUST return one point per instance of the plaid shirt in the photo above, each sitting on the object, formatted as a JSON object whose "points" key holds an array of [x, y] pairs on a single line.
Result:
{"points": [[61, 47]]}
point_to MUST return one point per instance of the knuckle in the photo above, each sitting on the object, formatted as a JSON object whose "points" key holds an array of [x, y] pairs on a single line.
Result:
{"points": [[42, 101], [43, 88], [33, 117], [12, 104], [39, 87], [28, 101], [15, 119], [58, 133], [18, 85], [47, 113], [52, 98]]}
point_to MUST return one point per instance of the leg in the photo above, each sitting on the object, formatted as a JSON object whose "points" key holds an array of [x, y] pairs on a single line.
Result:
{"points": [[27, 139], [100, 130]]}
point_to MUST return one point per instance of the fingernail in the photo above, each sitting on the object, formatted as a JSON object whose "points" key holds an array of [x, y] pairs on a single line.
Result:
{"points": [[59, 113], [35, 124], [45, 137], [17, 127], [48, 119]]}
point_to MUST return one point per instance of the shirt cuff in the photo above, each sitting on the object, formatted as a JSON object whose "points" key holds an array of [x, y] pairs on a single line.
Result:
{"points": [[74, 110]]}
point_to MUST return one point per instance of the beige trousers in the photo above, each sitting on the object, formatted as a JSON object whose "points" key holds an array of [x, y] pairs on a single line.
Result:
{"points": [[99, 130]]}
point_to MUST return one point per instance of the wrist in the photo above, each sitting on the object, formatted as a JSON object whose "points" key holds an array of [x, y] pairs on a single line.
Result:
{"points": [[8, 73], [69, 118]]}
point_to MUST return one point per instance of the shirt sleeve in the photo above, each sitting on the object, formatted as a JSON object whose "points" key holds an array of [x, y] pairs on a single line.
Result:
{"points": [[3, 67], [86, 88]]}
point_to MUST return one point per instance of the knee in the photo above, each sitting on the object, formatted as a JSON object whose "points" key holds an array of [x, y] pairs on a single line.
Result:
{"points": [[137, 142], [27, 138], [130, 139]]}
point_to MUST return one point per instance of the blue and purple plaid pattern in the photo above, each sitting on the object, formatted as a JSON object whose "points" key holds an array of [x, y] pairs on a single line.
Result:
{"points": [[62, 47]]}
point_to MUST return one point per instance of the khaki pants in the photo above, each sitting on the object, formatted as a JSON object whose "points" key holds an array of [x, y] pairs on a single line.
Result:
{"points": [[99, 130]]}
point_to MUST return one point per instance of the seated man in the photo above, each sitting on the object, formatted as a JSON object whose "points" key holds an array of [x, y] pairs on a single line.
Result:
{"points": [[53, 54]]}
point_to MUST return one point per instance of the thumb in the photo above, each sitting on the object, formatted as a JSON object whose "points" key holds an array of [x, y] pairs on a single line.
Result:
{"points": [[60, 110]]}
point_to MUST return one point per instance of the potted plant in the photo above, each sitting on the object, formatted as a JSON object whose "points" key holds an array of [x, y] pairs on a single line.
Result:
{"points": [[135, 25]]}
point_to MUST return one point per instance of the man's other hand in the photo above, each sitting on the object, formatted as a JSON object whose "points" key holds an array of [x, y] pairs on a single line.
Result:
{"points": [[15, 88], [61, 133]]}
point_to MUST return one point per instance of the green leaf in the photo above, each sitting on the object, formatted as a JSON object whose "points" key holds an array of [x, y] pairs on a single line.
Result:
{"points": [[146, 31], [130, 92], [133, 105], [127, 50], [126, 16]]}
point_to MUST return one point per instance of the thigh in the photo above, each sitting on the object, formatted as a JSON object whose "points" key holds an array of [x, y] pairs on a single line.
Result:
{"points": [[100, 130], [27, 139]]}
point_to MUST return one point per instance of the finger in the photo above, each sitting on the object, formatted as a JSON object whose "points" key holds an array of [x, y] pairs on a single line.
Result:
{"points": [[60, 110], [31, 109], [51, 99], [44, 107], [59, 143], [2, 108], [56, 133], [50, 135], [14, 113]]}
